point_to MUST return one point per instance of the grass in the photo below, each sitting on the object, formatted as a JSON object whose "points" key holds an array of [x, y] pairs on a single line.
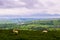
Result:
{"points": [[29, 35]]}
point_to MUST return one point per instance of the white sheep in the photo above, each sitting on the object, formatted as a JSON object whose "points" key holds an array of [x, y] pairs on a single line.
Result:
{"points": [[15, 31], [45, 31]]}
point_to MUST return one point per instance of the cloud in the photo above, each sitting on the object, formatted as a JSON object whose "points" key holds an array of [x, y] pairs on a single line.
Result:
{"points": [[11, 3], [14, 11], [50, 6], [29, 7]]}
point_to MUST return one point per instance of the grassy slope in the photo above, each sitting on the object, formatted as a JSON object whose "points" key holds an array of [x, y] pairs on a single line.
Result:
{"points": [[29, 35]]}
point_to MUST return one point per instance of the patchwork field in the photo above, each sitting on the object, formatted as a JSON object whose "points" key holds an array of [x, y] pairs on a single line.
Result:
{"points": [[31, 30]]}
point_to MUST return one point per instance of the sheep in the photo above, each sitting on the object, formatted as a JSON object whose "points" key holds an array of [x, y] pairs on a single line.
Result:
{"points": [[15, 31], [45, 31]]}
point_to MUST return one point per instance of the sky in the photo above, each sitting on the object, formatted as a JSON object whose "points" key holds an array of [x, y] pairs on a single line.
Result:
{"points": [[29, 7]]}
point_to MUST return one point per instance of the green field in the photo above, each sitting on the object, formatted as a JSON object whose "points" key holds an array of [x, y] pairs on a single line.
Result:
{"points": [[33, 25], [31, 30], [29, 35]]}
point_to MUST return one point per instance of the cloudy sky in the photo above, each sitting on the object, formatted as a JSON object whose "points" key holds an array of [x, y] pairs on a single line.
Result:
{"points": [[29, 7]]}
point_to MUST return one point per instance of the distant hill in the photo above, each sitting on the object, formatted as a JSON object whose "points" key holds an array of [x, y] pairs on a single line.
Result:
{"points": [[19, 19]]}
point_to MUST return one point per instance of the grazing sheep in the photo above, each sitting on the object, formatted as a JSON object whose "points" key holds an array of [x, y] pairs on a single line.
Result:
{"points": [[15, 31], [45, 31]]}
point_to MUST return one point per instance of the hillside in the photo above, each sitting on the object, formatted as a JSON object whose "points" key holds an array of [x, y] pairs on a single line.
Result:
{"points": [[32, 24]]}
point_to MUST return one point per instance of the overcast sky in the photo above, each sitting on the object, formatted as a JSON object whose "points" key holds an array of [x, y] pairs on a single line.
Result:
{"points": [[29, 7]]}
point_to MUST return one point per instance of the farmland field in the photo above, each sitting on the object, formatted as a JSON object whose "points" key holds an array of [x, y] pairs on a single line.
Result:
{"points": [[31, 30]]}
